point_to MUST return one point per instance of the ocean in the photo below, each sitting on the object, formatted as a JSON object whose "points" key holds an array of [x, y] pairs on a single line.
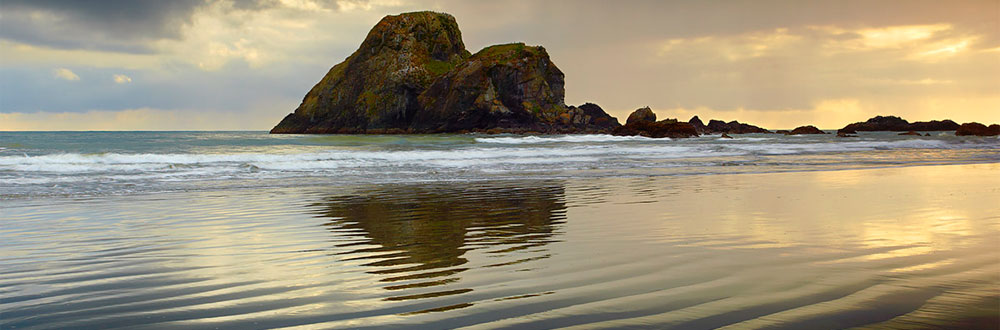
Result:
{"points": [[251, 230], [40, 164]]}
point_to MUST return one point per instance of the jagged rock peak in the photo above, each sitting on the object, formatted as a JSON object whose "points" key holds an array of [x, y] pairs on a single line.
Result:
{"points": [[435, 34]]}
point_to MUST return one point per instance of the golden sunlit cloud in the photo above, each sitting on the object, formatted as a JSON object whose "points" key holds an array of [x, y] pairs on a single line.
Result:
{"points": [[352, 5], [898, 36], [734, 48], [66, 74], [917, 42], [944, 48], [220, 33]]}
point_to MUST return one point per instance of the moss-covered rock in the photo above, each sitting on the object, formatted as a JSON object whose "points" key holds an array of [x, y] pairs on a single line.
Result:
{"points": [[412, 74], [512, 87], [377, 86]]}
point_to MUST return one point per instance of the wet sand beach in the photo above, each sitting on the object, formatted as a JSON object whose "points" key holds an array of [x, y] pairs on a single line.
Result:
{"points": [[897, 247]]}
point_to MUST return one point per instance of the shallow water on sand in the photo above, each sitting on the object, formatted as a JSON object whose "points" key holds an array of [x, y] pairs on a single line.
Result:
{"points": [[898, 247]]}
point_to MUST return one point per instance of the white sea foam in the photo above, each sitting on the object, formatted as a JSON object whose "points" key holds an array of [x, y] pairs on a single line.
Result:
{"points": [[74, 163], [583, 138]]}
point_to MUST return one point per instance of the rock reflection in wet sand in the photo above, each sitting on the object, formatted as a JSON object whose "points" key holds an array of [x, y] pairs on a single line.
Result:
{"points": [[415, 237]]}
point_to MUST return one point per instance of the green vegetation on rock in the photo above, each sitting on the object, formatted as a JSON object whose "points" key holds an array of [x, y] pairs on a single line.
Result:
{"points": [[438, 67], [413, 74]]}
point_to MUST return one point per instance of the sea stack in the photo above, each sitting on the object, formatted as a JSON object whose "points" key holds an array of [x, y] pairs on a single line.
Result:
{"points": [[977, 129], [896, 124], [808, 129], [718, 126], [642, 122], [412, 74]]}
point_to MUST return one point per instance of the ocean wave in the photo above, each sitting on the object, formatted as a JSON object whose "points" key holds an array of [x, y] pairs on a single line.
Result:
{"points": [[583, 138], [455, 157], [115, 162]]}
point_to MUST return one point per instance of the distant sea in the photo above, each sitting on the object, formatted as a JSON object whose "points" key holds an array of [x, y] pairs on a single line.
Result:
{"points": [[251, 230]]}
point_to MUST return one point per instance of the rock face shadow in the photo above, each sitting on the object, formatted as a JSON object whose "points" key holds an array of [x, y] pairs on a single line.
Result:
{"points": [[418, 238]]}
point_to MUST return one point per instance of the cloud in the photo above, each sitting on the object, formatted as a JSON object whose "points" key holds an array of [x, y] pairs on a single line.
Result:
{"points": [[793, 68], [136, 26], [117, 25], [207, 34], [289, 30], [122, 79], [231, 88], [65, 74]]}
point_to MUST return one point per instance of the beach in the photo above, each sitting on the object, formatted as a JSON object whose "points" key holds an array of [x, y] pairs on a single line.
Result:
{"points": [[354, 164], [905, 246]]}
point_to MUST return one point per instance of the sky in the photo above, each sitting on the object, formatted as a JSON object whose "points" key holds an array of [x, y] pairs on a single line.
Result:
{"points": [[243, 65]]}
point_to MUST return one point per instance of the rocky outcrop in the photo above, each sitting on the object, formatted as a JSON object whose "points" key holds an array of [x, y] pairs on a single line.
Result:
{"points": [[588, 117], [644, 114], [893, 123], [513, 87], [378, 85], [412, 74], [846, 131], [644, 124], [934, 125], [911, 133], [718, 127], [879, 123], [977, 129], [699, 125], [733, 127], [808, 129]]}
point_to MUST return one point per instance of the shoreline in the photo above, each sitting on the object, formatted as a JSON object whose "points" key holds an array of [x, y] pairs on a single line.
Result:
{"points": [[316, 185]]}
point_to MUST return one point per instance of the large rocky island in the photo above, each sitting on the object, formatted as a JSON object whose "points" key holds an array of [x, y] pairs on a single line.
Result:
{"points": [[412, 74]]}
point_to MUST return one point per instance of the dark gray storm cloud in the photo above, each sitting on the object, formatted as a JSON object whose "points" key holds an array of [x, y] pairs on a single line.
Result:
{"points": [[109, 25], [116, 25]]}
